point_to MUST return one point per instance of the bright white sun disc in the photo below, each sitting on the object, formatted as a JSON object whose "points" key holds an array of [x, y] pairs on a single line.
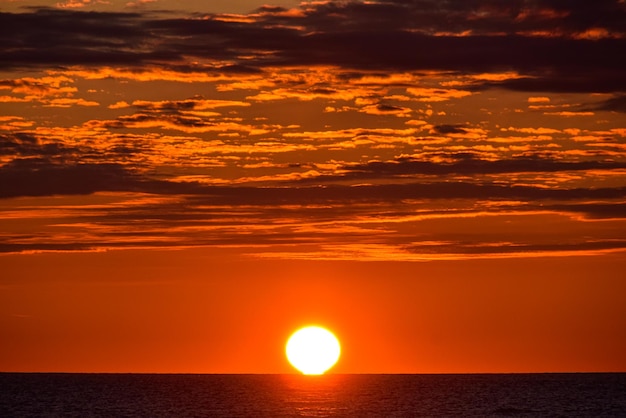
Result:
{"points": [[313, 350]]}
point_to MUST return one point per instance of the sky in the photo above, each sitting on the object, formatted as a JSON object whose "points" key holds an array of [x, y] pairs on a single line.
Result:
{"points": [[185, 183]]}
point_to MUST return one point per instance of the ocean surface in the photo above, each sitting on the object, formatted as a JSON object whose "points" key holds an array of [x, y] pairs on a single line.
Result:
{"points": [[163, 395]]}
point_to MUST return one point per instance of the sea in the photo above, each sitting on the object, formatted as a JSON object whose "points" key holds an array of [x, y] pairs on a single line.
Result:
{"points": [[332, 395]]}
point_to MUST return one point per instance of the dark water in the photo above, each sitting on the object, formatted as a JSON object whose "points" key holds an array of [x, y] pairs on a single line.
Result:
{"points": [[144, 395]]}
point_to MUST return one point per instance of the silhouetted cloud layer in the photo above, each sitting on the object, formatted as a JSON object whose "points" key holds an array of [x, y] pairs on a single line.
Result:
{"points": [[404, 130], [559, 46]]}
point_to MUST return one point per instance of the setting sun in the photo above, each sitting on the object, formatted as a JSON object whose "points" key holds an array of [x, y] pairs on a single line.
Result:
{"points": [[313, 350]]}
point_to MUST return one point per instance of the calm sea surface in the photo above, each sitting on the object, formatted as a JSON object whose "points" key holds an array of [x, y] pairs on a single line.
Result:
{"points": [[145, 395]]}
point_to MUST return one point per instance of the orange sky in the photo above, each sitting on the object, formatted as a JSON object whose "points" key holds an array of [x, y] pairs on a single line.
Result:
{"points": [[181, 189], [205, 311]]}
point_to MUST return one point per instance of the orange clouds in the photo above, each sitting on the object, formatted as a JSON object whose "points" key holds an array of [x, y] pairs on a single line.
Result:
{"points": [[570, 114], [447, 231], [49, 91], [67, 102], [77, 4], [303, 109], [437, 95], [538, 100]]}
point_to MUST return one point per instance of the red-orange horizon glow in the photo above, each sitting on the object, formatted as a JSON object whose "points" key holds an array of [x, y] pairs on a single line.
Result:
{"points": [[136, 311]]}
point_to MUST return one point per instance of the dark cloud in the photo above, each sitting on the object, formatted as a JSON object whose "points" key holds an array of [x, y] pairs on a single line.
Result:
{"points": [[388, 108], [449, 129], [168, 106], [405, 51], [24, 144], [458, 16], [176, 214], [515, 248], [398, 192], [167, 119], [615, 104], [466, 164], [613, 210], [543, 39], [196, 214], [594, 80], [39, 177], [61, 38]]}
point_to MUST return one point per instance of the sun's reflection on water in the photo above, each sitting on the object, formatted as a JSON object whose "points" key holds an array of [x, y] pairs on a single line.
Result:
{"points": [[314, 396]]}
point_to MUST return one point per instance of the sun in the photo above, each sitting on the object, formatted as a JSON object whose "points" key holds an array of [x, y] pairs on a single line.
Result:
{"points": [[313, 350]]}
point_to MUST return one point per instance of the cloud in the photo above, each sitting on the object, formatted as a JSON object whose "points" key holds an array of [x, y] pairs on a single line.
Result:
{"points": [[192, 115], [67, 102], [122, 207], [437, 95], [77, 4], [449, 129], [476, 37], [152, 214], [193, 104], [533, 131], [593, 210], [579, 79], [39, 87], [386, 109], [307, 136], [569, 114], [50, 91], [139, 3], [37, 177], [468, 165], [614, 104]]}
